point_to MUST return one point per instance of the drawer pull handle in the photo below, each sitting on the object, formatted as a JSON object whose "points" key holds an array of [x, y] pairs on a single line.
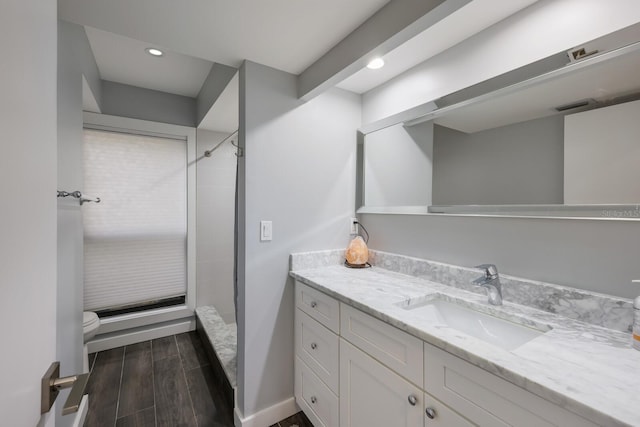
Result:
{"points": [[313, 399], [314, 346], [314, 304], [412, 400], [431, 413]]}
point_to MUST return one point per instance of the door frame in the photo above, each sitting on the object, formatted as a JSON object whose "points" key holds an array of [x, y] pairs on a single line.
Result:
{"points": [[184, 312]]}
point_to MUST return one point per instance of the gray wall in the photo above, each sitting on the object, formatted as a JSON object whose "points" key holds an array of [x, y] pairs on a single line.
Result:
{"points": [[215, 198], [298, 171], [519, 163], [146, 104], [597, 255], [601, 155], [398, 166], [217, 80]]}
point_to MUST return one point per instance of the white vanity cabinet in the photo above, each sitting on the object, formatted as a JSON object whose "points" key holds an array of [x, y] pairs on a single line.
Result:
{"points": [[381, 376], [373, 395], [354, 370]]}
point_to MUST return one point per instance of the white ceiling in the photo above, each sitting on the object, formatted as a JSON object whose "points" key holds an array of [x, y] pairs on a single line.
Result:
{"points": [[123, 60], [285, 34], [463, 23]]}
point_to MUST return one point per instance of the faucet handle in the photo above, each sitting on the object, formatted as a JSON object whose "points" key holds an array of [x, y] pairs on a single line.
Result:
{"points": [[490, 270]]}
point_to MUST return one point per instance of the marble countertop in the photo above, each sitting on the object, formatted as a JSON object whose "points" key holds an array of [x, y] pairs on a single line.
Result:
{"points": [[224, 340], [587, 369]]}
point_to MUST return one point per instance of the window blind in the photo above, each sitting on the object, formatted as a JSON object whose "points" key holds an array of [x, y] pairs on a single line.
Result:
{"points": [[135, 239]]}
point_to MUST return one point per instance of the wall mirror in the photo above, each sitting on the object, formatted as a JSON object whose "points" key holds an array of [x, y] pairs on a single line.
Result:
{"points": [[560, 137]]}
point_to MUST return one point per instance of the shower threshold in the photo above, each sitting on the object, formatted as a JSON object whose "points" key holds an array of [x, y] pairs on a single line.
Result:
{"points": [[141, 306]]}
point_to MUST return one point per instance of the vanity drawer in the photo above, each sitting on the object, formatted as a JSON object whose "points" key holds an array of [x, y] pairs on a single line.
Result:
{"points": [[318, 347], [321, 307], [314, 397], [486, 399], [392, 347]]}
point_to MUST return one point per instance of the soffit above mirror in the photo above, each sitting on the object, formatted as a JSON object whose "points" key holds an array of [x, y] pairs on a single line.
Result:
{"points": [[465, 22]]}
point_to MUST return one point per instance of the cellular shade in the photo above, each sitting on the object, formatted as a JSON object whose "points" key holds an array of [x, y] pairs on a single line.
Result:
{"points": [[135, 238]]}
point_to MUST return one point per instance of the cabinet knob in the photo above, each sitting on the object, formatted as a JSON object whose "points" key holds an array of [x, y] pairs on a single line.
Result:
{"points": [[431, 413], [412, 400], [314, 346], [314, 304], [313, 399]]}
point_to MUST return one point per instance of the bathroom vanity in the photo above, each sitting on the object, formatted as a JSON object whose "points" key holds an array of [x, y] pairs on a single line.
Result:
{"points": [[392, 346]]}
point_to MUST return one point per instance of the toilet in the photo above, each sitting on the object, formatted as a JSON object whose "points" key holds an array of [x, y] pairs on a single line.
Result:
{"points": [[90, 325]]}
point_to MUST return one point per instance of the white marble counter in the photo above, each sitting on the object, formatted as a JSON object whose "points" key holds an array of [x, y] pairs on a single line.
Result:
{"points": [[585, 368], [224, 340]]}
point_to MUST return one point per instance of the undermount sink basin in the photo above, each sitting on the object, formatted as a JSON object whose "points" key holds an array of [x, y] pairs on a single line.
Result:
{"points": [[502, 333]]}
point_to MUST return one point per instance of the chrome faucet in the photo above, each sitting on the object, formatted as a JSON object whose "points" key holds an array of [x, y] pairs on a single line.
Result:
{"points": [[491, 281]]}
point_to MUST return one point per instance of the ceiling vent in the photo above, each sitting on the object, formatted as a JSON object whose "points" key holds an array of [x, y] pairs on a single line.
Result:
{"points": [[577, 104]]}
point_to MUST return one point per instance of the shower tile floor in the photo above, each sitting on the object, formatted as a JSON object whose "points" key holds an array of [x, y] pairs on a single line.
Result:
{"points": [[163, 382]]}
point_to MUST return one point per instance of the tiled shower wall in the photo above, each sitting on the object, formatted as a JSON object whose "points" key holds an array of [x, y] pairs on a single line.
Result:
{"points": [[215, 187]]}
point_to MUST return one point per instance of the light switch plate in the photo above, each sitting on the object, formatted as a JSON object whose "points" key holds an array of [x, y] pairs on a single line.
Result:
{"points": [[266, 231]]}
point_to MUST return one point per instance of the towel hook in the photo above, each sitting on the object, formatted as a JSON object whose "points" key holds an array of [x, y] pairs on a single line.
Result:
{"points": [[78, 195], [209, 152]]}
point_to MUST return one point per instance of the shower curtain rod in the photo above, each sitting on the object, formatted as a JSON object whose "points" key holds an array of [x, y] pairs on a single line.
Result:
{"points": [[209, 152]]}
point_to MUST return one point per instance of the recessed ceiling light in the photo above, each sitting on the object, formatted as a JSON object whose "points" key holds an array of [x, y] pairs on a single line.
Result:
{"points": [[154, 52], [375, 63]]}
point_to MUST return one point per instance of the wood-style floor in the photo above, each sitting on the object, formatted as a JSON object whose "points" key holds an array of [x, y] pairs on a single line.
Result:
{"points": [[164, 382], [297, 420]]}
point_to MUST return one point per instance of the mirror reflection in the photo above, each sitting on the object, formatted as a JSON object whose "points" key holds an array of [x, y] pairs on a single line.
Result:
{"points": [[564, 139]]}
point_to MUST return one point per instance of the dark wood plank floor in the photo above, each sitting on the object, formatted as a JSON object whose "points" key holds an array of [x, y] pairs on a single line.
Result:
{"points": [[164, 382], [297, 420]]}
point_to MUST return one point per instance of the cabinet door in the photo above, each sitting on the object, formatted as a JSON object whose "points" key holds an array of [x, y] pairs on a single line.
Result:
{"points": [[373, 395]]}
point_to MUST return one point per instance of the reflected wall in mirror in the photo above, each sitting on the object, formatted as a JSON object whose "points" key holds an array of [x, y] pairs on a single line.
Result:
{"points": [[398, 166], [566, 137], [514, 164]]}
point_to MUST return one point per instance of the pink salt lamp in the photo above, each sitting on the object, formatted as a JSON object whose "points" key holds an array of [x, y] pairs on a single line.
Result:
{"points": [[357, 253]]}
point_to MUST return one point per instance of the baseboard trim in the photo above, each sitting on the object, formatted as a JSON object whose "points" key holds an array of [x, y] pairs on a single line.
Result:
{"points": [[267, 416], [140, 334]]}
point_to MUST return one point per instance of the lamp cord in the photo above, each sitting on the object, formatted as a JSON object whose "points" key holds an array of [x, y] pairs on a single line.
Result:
{"points": [[366, 239]]}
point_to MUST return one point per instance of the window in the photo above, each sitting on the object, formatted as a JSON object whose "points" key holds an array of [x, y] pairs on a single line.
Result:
{"points": [[135, 239]]}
